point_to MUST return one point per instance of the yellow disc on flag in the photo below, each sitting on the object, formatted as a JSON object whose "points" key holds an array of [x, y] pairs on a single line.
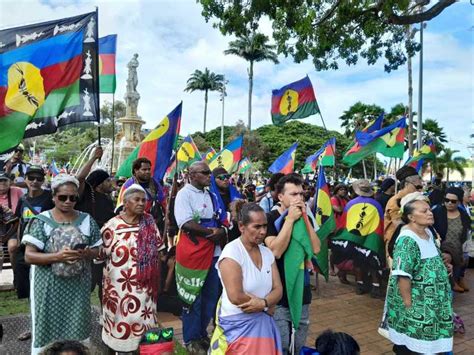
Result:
{"points": [[289, 102], [158, 131], [362, 219], [101, 65], [185, 153], [391, 137], [25, 88], [224, 160], [323, 207], [210, 155]]}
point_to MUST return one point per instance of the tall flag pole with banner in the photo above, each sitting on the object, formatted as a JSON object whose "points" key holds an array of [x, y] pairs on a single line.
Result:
{"points": [[48, 77], [229, 157], [107, 54], [325, 219], [284, 163], [157, 146], [293, 101]]}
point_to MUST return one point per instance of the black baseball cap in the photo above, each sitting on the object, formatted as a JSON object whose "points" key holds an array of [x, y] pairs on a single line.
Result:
{"points": [[35, 169]]}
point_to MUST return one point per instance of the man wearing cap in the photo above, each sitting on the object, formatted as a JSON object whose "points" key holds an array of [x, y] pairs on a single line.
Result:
{"points": [[34, 202], [410, 182], [17, 167], [94, 198]]}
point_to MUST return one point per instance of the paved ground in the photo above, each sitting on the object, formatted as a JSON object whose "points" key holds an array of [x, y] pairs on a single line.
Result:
{"points": [[334, 306]]}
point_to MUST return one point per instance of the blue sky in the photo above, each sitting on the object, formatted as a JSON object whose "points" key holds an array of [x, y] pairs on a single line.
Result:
{"points": [[172, 40]]}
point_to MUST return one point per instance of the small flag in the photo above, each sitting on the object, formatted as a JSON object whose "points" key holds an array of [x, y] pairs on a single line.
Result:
{"points": [[157, 146], [229, 157], [187, 154], [209, 154], [47, 77], [285, 162], [53, 168], [107, 53], [426, 152], [325, 219], [244, 165], [293, 101], [325, 156]]}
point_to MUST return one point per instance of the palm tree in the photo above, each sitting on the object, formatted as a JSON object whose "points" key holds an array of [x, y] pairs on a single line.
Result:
{"points": [[432, 130], [253, 48], [358, 116], [205, 81], [448, 162]]}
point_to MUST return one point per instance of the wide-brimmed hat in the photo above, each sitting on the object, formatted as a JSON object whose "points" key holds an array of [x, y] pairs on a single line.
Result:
{"points": [[362, 188]]}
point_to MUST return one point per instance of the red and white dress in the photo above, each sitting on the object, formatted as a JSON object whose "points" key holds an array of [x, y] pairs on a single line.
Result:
{"points": [[127, 309]]}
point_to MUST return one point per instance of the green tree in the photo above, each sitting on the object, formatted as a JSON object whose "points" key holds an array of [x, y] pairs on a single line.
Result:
{"points": [[204, 81], [358, 116], [449, 162], [253, 48], [119, 109], [330, 30], [432, 130]]}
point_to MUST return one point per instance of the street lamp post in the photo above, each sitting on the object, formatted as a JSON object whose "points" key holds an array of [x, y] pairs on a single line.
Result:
{"points": [[223, 95], [420, 92]]}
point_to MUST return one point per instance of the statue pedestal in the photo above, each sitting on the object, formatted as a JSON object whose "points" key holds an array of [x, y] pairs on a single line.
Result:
{"points": [[128, 138]]}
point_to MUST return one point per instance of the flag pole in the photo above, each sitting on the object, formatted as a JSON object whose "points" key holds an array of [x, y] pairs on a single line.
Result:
{"points": [[97, 86], [375, 167], [113, 133]]}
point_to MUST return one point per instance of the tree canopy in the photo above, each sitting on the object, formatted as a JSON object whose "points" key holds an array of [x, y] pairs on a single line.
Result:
{"points": [[330, 30]]}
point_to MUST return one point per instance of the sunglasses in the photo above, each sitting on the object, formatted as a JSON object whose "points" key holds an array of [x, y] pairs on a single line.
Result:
{"points": [[223, 177], [448, 200], [418, 187], [204, 172], [19, 151], [64, 198], [37, 178]]}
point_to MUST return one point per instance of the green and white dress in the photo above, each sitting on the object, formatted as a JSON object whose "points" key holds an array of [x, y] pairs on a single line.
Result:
{"points": [[60, 306], [427, 326]]}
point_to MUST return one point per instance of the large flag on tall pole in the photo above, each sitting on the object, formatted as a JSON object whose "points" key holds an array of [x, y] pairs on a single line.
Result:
{"points": [[157, 146], [229, 157], [48, 77], [292, 101], [107, 53], [325, 219], [285, 162]]}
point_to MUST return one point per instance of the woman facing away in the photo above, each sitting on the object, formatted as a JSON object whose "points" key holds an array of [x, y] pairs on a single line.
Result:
{"points": [[418, 299], [251, 289], [59, 245], [132, 245]]}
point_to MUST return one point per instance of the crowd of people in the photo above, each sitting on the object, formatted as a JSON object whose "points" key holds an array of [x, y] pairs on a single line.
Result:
{"points": [[213, 250]]}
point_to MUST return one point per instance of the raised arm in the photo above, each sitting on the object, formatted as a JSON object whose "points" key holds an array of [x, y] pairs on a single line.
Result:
{"points": [[86, 168]]}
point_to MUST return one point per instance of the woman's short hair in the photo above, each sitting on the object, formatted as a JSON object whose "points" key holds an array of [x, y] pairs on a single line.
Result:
{"points": [[69, 346], [132, 189], [61, 180], [242, 210], [407, 204], [336, 343]]}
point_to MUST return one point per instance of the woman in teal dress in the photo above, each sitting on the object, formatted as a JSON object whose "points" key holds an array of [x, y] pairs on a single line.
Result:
{"points": [[60, 244], [418, 299]]}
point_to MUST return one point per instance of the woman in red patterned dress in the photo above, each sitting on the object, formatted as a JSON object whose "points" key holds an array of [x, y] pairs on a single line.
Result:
{"points": [[131, 243]]}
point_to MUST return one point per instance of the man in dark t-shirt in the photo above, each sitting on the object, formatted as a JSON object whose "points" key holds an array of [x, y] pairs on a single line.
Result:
{"points": [[291, 199]]}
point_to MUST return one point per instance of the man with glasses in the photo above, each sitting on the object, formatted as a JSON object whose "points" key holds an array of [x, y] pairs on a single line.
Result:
{"points": [[34, 202], [410, 182], [203, 230]]}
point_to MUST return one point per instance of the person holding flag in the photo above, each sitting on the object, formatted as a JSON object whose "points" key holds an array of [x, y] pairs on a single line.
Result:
{"points": [[293, 240], [202, 233]]}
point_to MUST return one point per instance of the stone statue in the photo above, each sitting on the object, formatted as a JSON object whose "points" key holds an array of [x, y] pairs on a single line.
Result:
{"points": [[132, 96]]}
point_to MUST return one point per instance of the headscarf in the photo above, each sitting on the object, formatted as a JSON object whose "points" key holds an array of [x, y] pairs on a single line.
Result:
{"points": [[63, 179], [97, 177], [386, 184], [414, 196]]}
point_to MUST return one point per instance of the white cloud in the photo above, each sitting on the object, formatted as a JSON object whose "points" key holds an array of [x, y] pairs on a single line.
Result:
{"points": [[172, 40]]}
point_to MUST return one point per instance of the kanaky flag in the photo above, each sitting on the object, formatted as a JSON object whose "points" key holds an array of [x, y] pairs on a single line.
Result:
{"points": [[362, 221], [107, 53], [229, 157], [244, 165], [209, 154], [157, 146], [356, 152], [295, 100], [47, 77], [325, 156], [326, 221], [187, 154], [284, 163], [426, 152]]}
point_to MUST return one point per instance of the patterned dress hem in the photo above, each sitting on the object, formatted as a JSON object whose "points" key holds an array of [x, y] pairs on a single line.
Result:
{"points": [[421, 346]]}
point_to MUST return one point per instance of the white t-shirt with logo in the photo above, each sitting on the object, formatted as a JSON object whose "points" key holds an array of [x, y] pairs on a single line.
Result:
{"points": [[254, 281]]}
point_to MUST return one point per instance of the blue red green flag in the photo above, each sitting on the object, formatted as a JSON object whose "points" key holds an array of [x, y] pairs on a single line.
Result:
{"points": [[229, 157], [157, 146], [209, 154], [293, 101], [285, 162], [325, 156], [326, 221], [107, 53], [48, 77], [426, 152]]}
